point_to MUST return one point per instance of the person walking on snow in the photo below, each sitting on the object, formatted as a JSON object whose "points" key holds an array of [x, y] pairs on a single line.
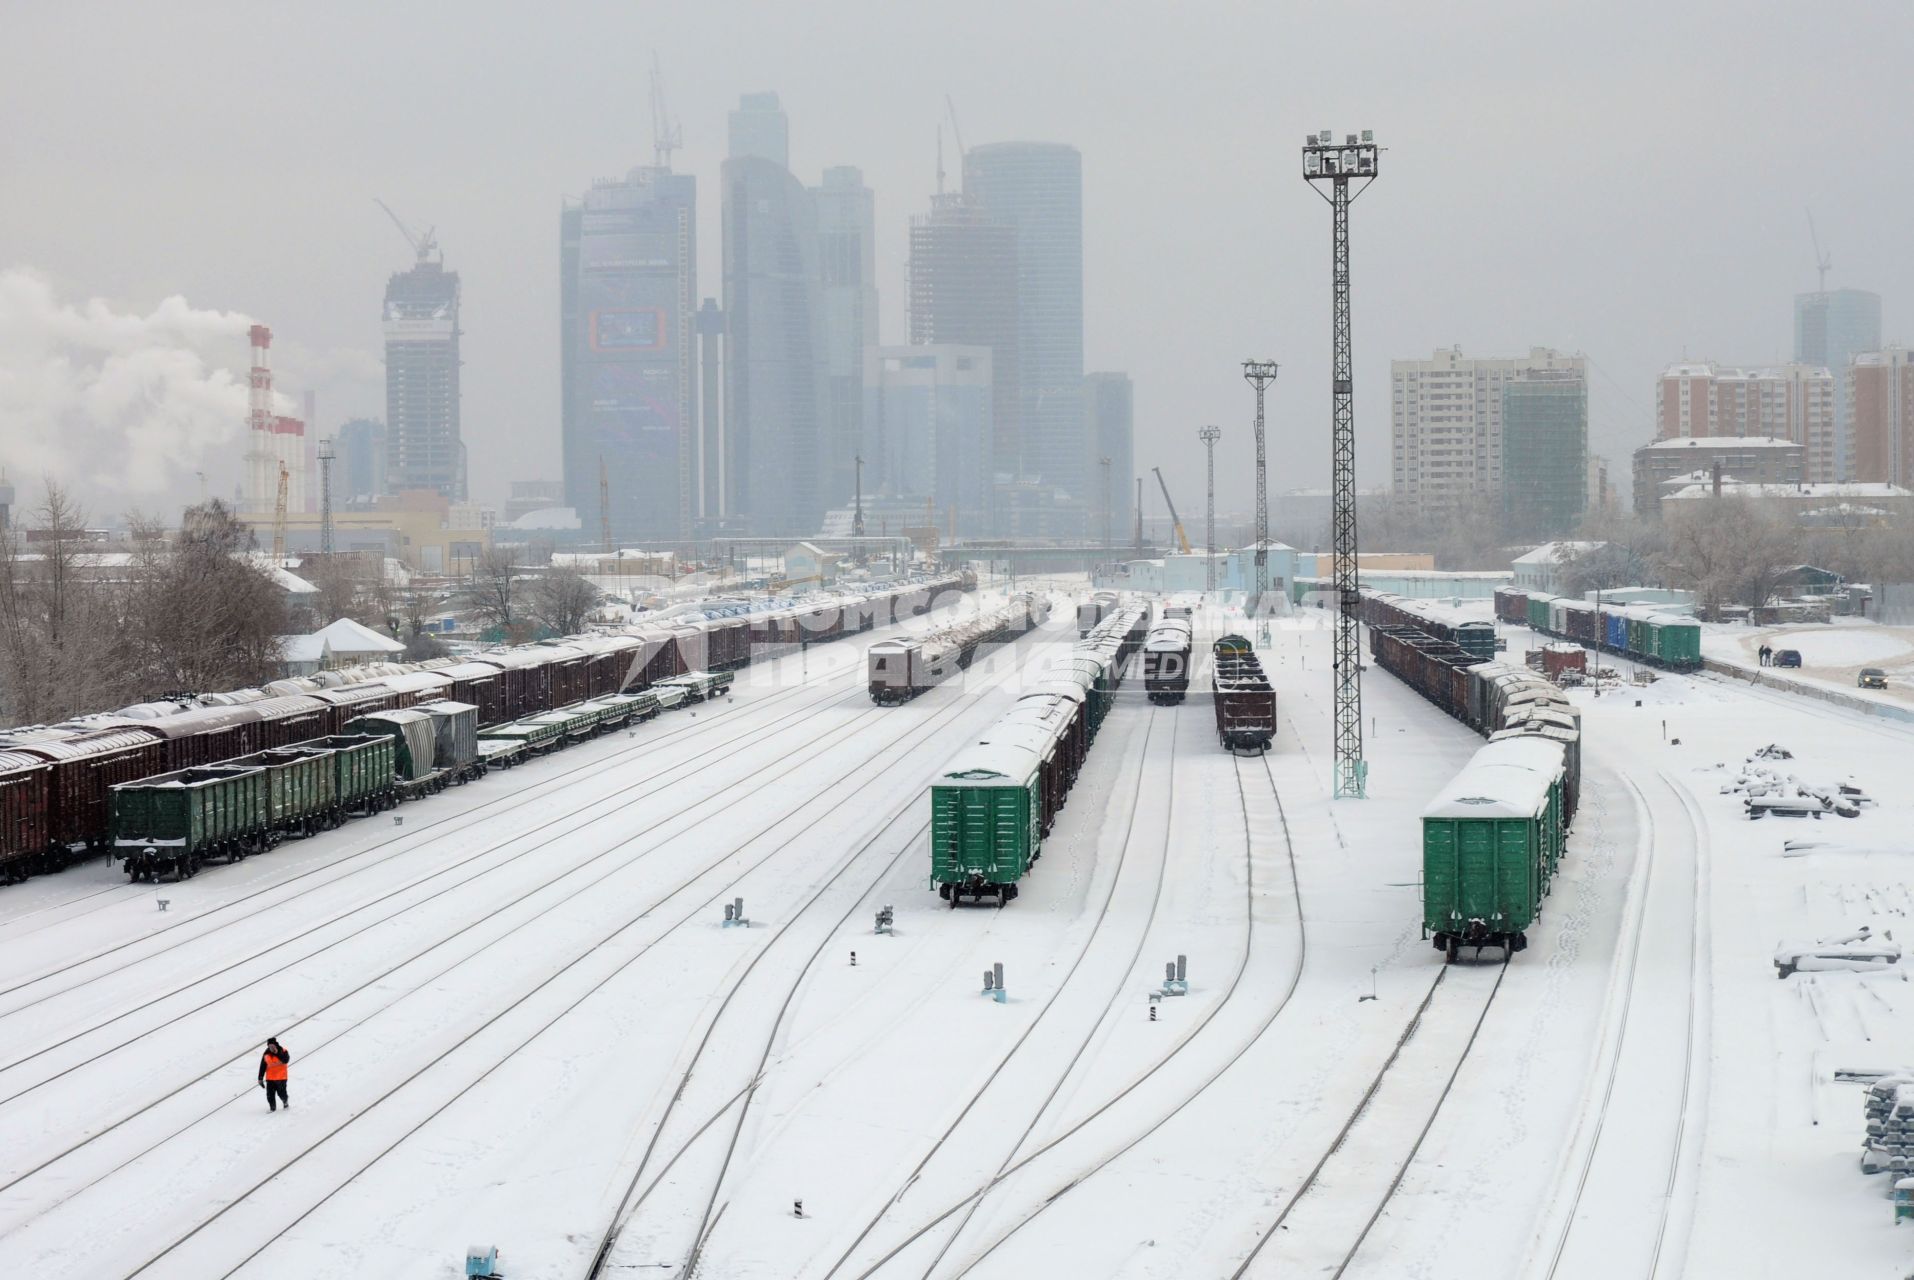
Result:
{"points": [[272, 1074]]}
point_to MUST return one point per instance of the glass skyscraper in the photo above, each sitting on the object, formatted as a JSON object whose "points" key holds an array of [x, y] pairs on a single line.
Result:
{"points": [[628, 297], [1830, 329], [1037, 188], [424, 449]]}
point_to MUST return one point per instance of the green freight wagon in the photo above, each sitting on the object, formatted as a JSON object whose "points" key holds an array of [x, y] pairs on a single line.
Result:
{"points": [[1538, 610], [301, 790], [364, 769], [176, 821], [537, 735], [985, 811], [1677, 642], [1490, 843]]}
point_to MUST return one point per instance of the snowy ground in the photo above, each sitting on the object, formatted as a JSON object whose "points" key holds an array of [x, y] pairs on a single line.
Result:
{"points": [[1832, 654], [516, 1018]]}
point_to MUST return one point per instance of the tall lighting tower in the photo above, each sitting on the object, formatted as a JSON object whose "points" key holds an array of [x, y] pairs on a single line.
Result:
{"points": [[1104, 462], [1327, 164], [1260, 373], [325, 497], [1209, 436]]}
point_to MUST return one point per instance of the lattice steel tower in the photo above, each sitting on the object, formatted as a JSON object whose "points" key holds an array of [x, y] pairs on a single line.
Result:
{"points": [[1332, 165], [1260, 373], [1209, 437]]}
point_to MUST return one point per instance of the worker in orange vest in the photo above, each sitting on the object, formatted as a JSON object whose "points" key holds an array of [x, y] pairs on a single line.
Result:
{"points": [[272, 1074]]}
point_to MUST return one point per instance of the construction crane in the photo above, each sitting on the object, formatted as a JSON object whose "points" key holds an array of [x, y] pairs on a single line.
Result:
{"points": [[279, 523], [1176, 521], [423, 245], [1823, 262], [667, 135]]}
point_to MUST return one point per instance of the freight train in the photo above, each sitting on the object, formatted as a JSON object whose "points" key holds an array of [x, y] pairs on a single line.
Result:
{"points": [[901, 669], [1633, 631], [1469, 633], [1245, 703], [993, 804], [1166, 660], [57, 781], [1493, 838]]}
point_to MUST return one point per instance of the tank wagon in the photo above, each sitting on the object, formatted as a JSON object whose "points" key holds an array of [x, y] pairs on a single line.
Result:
{"points": [[1166, 661], [1638, 632], [901, 669], [1244, 700], [1492, 841], [57, 781], [997, 799]]}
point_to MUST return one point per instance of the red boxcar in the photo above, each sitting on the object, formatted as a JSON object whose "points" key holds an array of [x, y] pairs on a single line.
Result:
{"points": [[83, 768], [25, 784]]}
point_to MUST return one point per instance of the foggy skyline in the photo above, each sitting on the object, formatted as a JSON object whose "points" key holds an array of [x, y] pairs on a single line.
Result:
{"points": [[1648, 205]]}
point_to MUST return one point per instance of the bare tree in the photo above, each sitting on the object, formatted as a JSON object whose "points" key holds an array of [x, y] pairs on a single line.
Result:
{"points": [[562, 600], [206, 615], [61, 624], [1728, 549], [495, 595]]}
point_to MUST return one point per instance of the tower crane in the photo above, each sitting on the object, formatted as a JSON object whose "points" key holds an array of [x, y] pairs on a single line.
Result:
{"points": [[1823, 262], [667, 135], [1176, 521], [423, 245]]}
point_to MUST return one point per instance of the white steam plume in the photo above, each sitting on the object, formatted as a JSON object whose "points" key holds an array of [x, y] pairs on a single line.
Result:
{"points": [[119, 404]]}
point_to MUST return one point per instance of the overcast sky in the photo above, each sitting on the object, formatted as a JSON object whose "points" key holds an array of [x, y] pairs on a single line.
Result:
{"points": [[1626, 180]]}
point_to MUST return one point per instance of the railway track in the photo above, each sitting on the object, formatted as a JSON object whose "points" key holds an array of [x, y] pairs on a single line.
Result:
{"points": [[1352, 1142], [1577, 1243], [414, 983], [596, 954], [1085, 1172]]}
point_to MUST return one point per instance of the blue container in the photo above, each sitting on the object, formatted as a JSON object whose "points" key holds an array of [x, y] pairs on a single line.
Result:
{"points": [[1614, 630]]}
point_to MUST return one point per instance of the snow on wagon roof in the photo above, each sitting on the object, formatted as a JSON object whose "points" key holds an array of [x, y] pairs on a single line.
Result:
{"points": [[1508, 779], [1016, 744]]}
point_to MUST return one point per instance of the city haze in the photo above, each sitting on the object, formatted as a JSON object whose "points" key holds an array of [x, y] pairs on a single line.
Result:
{"points": [[1607, 181]]}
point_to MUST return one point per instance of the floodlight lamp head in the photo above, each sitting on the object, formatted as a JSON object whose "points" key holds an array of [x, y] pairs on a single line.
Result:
{"points": [[1368, 135], [1349, 139], [1322, 137]]}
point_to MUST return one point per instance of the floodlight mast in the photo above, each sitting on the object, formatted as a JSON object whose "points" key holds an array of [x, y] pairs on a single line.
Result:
{"points": [[1329, 164], [1209, 436], [1259, 374]]}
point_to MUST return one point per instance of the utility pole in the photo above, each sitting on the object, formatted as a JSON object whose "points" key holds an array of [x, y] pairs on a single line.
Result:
{"points": [[1325, 163], [1138, 509], [604, 503], [1104, 462], [325, 497], [1259, 374], [857, 513], [1209, 437]]}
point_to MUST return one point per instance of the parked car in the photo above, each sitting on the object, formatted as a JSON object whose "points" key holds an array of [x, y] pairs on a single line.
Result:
{"points": [[1872, 678], [1787, 657]]}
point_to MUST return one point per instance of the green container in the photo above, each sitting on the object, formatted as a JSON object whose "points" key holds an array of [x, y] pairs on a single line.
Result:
{"points": [[1538, 610], [363, 765], [193, 811], [1491, 843], [1678, 642], [983, 828]]}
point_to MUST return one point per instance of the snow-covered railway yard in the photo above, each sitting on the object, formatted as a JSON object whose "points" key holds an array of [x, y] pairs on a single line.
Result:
{"points": [[516, 1017]]}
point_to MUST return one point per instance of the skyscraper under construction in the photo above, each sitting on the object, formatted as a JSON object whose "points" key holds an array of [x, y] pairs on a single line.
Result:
{"points": [[963, 290], [424, 449]]}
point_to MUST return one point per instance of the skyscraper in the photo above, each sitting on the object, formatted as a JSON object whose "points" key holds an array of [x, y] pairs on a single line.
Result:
{"points": [[1037, 187], [774, 348], [424, 449], [963, 290], [847, 269], [360, 470], [1830, 329], [1109, 403], [628, 299], [760, 130], [930, 426]]}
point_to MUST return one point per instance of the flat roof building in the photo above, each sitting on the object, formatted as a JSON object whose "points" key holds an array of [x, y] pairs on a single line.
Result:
{"points": [[1670, 464]]}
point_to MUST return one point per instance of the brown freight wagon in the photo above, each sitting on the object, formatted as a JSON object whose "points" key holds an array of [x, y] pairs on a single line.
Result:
{"points": [[83, 770], [25, 812]]}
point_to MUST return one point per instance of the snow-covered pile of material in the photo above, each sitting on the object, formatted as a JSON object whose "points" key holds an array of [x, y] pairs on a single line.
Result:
{"points": [[1890, 1125], [1758, 779]]}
